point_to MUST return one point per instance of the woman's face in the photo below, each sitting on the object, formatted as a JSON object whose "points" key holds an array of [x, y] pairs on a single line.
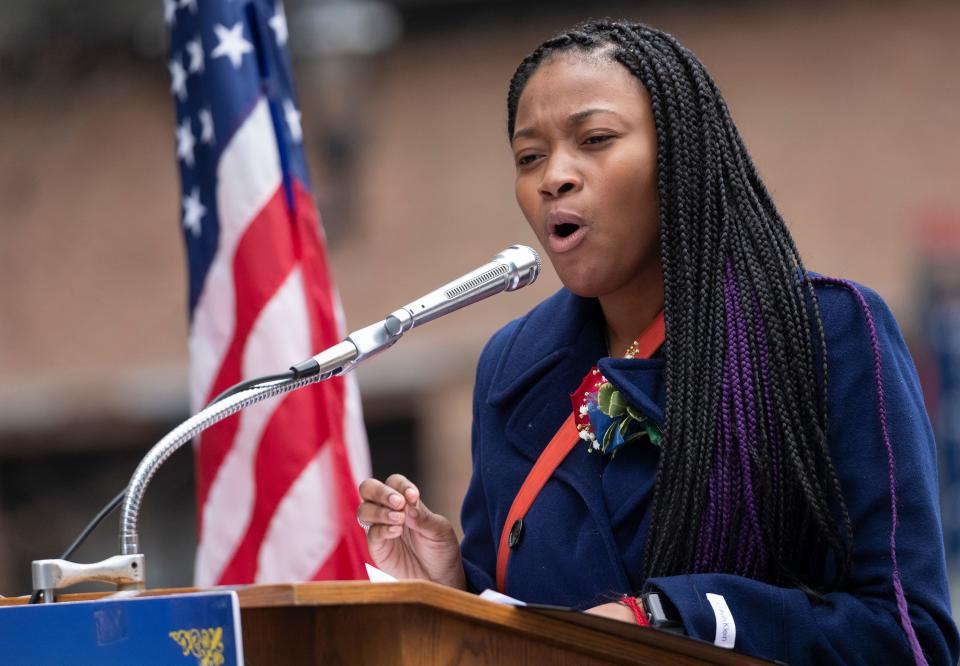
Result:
{"points": [[585, 151]]}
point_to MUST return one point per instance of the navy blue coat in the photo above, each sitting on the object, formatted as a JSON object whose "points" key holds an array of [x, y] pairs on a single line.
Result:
{"points": [[584, 535]]}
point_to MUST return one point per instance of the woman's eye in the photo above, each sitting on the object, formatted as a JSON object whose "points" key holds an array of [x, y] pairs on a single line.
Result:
{"points": [[598, 138], [524, 160]]}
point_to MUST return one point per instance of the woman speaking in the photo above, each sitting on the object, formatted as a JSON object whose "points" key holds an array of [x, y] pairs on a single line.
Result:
{"points": [[695, 426]]}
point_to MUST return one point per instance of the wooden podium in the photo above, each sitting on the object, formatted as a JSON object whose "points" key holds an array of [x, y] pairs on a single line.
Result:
{"points": [[424, 624], [419, 623]]}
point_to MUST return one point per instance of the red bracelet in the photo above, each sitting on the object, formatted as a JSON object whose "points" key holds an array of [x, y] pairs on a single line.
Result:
{"points": [[638, 612]]}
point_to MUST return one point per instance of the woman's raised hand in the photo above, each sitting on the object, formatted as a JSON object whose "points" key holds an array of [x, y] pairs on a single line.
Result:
{"points": [[405, 538]]}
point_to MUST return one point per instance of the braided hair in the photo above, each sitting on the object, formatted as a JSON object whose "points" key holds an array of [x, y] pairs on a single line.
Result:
{"points": [[745, 483]]}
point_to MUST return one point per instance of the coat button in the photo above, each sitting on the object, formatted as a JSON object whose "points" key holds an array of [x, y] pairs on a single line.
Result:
{"points": [[515, 533]]}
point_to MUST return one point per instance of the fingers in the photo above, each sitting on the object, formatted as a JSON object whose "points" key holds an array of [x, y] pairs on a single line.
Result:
{"points": [[418, 516], [396, 503], [434, 526], [403, 485], [379, 533], [374, 514], [386, 505], [380, 494]]}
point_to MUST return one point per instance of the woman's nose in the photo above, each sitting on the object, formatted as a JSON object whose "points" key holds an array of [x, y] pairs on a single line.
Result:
{"points": [[558, 179]]}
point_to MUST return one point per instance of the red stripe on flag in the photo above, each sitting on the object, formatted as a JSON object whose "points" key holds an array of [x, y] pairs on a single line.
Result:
{"points": [[323, 327], [263, 260], [344, 563], [290, 441], [316, 272]]}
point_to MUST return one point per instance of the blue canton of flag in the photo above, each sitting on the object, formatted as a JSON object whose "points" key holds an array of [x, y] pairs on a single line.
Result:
{"points": [[224, 56]]}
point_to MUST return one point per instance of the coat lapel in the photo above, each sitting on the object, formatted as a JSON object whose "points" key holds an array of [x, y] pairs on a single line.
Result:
{"points": [[550, 353], [547, 360]]}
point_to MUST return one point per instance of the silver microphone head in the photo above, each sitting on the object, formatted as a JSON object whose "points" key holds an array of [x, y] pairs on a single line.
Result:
{"points": [[524, 265]]}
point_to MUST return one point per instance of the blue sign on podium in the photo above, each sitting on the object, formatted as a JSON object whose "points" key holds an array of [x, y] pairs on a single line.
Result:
{"points": [[201, 628]]}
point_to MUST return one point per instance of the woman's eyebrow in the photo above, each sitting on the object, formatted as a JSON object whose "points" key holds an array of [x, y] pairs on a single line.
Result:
{"points": [[524, 132], [580, 116], [572, 119]]}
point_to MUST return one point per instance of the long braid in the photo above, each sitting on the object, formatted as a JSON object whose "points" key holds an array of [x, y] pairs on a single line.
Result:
{"points": [[679, 114], [745, 483], [820, 456]]}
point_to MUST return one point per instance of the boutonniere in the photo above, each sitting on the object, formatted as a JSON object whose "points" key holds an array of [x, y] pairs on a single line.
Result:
{"points": [[605, 420]]}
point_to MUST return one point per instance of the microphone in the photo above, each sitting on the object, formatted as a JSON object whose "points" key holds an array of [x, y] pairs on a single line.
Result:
{"points": [[515, 267], [512, 269]]}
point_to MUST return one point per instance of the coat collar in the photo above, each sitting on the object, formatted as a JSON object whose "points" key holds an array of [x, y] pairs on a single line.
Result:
{"points": [[566, 328], [641, 380], [563, 327]]}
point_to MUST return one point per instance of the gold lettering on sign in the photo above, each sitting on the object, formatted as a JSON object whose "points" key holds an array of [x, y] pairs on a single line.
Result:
{"points": [[204, 644]]}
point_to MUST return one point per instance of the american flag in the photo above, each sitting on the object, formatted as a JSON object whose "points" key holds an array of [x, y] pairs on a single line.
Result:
{"points": [[276, 485]]}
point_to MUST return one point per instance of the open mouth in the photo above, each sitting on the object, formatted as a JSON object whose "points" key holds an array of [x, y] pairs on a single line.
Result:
{"points": [[565, 229]]}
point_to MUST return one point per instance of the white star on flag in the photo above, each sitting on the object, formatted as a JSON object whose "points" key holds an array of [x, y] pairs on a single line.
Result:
{"points": [[195, 51], [206, 126], [193, 212], [232, 44], [185, 142], [293, 120], [278, 22], [178, 79], [192, 4], [169, 11]]}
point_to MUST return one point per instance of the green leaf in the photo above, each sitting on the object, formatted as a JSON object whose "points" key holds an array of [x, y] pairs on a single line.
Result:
{"points": [[603, 397], [635, 413], [617, 406], [653, 432], [624, 425], [635, 436], [607, 436]]}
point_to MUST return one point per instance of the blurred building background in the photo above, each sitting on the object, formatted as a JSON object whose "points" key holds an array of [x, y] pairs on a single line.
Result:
{"points": [[851, 111]]}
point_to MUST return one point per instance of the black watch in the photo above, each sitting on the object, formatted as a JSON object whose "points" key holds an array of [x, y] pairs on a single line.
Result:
{"points": [[661, 613]]}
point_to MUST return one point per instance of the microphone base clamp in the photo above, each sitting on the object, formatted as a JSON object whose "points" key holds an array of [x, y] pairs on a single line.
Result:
{"points": [[127, 572]]}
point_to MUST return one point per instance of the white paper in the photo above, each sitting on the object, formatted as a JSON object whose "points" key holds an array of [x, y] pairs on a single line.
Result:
{"points": [[377, 576], [726, 634], [498, 598]]}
